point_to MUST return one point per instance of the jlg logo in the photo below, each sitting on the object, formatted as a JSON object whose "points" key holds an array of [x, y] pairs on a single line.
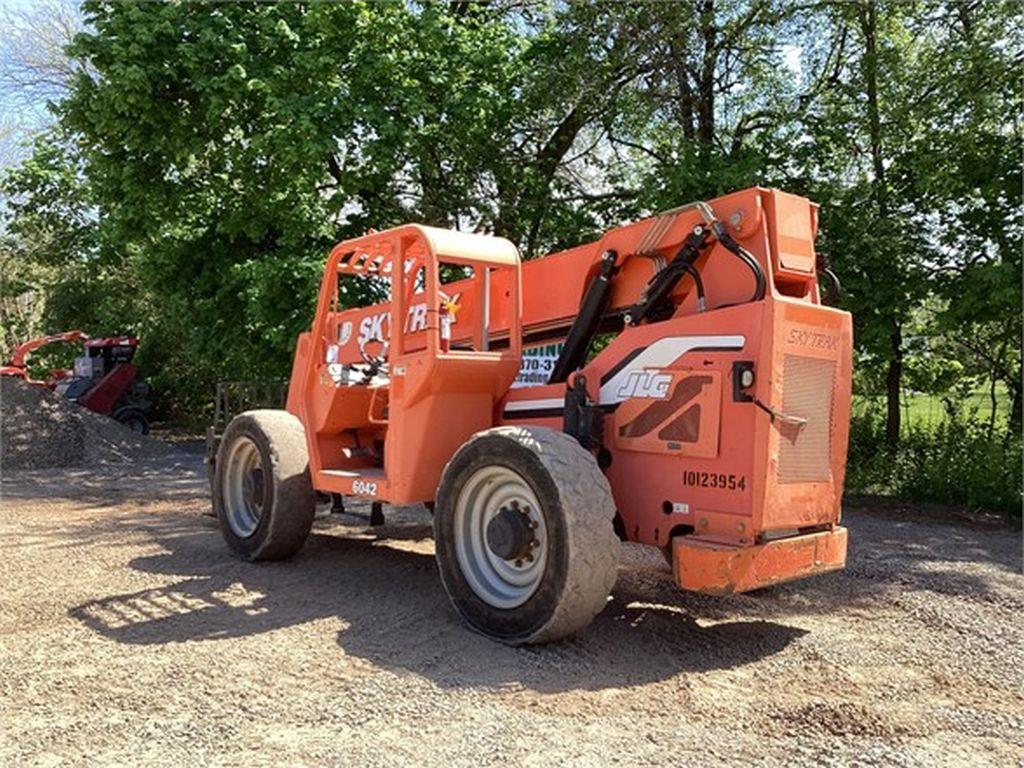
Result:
{"points": [[653, 386]]}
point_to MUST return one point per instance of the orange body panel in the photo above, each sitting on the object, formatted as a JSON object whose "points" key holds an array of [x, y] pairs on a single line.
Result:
{"points": [[433, 399], [719, 569], [717, 475]]}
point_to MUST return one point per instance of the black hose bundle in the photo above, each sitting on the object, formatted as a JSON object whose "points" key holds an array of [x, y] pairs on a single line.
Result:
{"points": [[727, 240]]}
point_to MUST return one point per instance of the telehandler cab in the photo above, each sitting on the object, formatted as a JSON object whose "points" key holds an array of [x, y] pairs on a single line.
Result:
{"points": [[677, 383]]}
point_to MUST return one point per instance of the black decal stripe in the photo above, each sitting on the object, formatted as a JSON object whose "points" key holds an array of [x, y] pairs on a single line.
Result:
{"points": [[621, 364], [714, 349], [535, 413]]}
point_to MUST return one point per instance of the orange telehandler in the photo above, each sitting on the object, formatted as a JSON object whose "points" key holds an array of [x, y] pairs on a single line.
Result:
{"points": [[676, 383]]}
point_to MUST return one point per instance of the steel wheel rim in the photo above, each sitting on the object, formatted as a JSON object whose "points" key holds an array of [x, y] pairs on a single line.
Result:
{"points": [[243, 487], [500, 583]]}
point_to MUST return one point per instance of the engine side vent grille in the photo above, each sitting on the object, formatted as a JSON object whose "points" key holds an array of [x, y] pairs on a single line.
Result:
{"points": [[805, 452]]}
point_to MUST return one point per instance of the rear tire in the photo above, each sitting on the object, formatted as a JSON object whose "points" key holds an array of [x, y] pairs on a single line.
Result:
{"points": [[132, 418], [262, 493], [546, 568]]}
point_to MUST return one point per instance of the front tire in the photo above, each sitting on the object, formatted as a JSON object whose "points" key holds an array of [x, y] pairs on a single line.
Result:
{"points": [[262, 493], [524, 536]]}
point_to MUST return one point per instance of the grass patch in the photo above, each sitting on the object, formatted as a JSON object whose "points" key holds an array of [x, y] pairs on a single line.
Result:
{"points": [[953, 459], [929, 411]]}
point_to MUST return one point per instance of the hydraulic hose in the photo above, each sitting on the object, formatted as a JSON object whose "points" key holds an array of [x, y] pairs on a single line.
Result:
{"points": [[760, 283], [835, 287], [698, 283], [659, 287]]}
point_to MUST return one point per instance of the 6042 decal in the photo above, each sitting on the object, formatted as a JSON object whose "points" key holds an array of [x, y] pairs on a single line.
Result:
{"points": [[364, 488]]}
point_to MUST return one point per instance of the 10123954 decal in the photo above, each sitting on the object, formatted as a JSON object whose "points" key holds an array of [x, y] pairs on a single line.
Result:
{"points": [[718, 480]]}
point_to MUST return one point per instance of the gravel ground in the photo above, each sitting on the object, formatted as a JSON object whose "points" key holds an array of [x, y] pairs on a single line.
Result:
{"points": [[41, 429], [129, 636]]}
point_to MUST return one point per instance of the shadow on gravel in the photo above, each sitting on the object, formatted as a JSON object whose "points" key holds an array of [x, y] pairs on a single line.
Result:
{"points": [[178, 477], [396, 615]]}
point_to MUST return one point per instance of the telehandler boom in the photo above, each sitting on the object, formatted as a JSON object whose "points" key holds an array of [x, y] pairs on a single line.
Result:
{"points": [[677, 383]]}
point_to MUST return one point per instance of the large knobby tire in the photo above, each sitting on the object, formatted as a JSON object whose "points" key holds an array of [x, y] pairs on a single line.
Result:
{"points": [[548, 480], [262, 492], [133, 419]]}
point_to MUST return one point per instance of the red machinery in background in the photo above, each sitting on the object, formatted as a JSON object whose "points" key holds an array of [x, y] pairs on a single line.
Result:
{"points": [[103, 379]]}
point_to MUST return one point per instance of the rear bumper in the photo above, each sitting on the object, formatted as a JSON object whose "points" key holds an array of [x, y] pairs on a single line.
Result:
{"points": [[718, 569]]}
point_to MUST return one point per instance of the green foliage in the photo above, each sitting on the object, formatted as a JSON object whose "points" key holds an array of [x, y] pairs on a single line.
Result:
{"points": [[211, 156], [956, 461]]}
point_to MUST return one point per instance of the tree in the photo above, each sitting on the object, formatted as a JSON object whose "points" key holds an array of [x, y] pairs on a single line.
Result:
{"points": [[35, 70], [55, 277], [913, 164], [964, 170], [714, 88], [227, 148]]}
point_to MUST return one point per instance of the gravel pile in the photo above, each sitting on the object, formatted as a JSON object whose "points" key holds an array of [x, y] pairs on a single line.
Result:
{"points": [[39, 430]]}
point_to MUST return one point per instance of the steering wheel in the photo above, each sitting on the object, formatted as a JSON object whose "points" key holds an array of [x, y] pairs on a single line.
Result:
{"points": [[374, 362]]}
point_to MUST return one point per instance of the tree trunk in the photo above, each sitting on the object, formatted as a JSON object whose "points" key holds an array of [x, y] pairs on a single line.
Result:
{"points": [[706, 85], [894, 376], [994, 377], [893, 415], [1016, 409], [993, 403], [869, 29], [684, 93]]}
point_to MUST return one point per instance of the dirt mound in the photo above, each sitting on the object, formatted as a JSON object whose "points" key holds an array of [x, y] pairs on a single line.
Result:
{"points": [[844, 719], [39, 429]]}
